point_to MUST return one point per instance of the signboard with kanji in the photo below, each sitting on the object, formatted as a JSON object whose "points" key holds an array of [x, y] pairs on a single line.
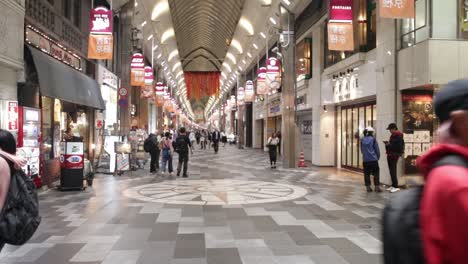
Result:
{"points": [[397, 8], [100, 47], [340, 36]]}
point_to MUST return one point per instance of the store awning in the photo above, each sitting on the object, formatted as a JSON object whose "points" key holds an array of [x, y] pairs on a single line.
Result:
{"points": [[60, 81]]}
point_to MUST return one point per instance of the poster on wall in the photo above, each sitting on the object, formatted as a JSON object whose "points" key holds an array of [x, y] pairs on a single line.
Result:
{"points": [[100, 47], [418, 127], [397, 8], [12, 115], [340, 36], [307, 127]]}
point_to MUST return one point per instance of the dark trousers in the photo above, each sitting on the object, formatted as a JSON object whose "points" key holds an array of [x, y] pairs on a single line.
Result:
{"points": [[392, 166], [154, 164], [1, 246], [216, 146], [371, 168], [183, 159], [273, 154]]}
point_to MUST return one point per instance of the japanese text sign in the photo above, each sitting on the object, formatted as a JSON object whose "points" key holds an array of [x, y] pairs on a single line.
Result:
{"points": [[100, 47], [100, 21], [340, 36], [341, 10], [397, 8]]}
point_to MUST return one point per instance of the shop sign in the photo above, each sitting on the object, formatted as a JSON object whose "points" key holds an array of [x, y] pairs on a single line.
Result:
{"points": [[148, 75], [341, 10], [74, 155], [107, 77], [240, 95], [262, 87], [100, 21], [138, 62], [249, 91], [345, 89], [99, 123], [273, 73], [137, 78], [100, 47], [12, 115], [42, 42], [397, 8], [340, 36]]}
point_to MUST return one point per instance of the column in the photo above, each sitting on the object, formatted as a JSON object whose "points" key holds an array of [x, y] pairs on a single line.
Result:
{"points": [[288, 125]]}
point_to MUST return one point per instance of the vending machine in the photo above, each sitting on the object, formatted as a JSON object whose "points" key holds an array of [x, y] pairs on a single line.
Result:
{"points": [[29, 142]]}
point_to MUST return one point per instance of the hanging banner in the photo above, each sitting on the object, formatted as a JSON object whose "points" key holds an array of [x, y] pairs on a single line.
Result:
{"points": [[166, 94], [148, 75], [397, 8], [100, 21], [249, 91], [100, 47], [341, 10], [340, 36], [137, 74], [273, 73], [159, 89], [262, 87], [240, 95], [147, 91]]}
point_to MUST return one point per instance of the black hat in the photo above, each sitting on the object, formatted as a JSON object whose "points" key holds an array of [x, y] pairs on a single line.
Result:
{"points": [[454, 96], [392, 126]]}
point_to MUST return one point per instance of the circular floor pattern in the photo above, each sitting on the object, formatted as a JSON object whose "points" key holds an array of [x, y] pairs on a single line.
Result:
{"points": [[215, 192]]}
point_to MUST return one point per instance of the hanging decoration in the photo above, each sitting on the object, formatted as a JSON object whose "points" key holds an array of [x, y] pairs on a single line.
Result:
{"points": [[202, 84], [262, 87], [159, 89], [273, 73], [249, 91], [149, 75], [101, 40], [397, 8], [240, 96], [137, 66]]}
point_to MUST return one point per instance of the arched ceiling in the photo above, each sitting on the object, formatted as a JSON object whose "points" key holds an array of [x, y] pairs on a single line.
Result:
{"points": [[204, 30]]}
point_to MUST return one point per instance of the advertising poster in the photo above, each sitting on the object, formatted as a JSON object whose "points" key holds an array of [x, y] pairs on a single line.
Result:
{"points": [[418, 127], [74, 155], [397, 8], [12, 115]]}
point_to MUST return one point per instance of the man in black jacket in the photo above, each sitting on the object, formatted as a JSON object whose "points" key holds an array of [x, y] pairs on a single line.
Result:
{"points": [[216, 137], [182, 146], [395, 148], [154, 153]]}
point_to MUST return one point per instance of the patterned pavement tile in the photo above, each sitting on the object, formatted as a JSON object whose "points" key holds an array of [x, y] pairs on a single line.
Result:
{"points": [[232, 209]]}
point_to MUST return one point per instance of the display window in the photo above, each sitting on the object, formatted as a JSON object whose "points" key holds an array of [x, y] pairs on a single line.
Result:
{"points": [[353, 120]]}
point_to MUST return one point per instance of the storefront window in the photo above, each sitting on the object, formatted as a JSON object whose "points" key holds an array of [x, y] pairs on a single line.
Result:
{"points": [[354, 119], [47, 127], [303, 59]]}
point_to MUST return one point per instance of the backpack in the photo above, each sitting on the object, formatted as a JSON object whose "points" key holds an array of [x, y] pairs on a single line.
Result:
{"points": [[180, 145], [148, 144], [20, 218], [401, 227]]}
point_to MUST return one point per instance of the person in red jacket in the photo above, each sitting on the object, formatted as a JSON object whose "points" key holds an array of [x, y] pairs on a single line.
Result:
{"points": [[444, 204]]}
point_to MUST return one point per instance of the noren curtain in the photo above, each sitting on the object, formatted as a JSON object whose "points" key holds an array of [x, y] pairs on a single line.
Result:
{"points": [[201, 84]]}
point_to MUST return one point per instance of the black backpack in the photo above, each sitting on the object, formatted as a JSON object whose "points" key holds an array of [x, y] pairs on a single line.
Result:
{"points": [[401, 228], [180, 145], [20, 216], [148, 145]]}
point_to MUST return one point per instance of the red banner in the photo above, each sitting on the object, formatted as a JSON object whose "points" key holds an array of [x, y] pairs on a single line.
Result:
{"points": [[341, 10], [202, 84], [100, 21]]}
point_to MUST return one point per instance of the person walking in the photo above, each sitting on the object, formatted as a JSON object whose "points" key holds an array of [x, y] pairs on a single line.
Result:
{"points": [[223, 138], [370, 157], [203, 139], [151, 145], [272, 145], [183, 145], [198, 136], [216, 137], [7, 161], [192, 139], [167, 152], [395, 148], [427, 224]]}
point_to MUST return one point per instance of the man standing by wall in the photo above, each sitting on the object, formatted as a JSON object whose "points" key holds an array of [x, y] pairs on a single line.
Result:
{"points": [[395, 148]]}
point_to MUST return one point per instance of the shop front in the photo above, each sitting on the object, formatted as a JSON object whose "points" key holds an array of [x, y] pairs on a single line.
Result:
{"points": [[65, 98], [259, 124]]}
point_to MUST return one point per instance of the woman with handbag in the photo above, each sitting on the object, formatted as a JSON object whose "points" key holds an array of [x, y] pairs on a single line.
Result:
{"points": [[273, 142]]}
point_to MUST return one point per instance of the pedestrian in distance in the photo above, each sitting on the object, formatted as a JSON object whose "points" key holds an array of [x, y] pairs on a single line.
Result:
{"points": [[192, 139], [198, 136], [203, 140], [223, 138], [182, 146], [370, 157], [426, 224], [272, 145], [208, 137], [216, 137], [151, 145], [395, 148], [167, 153]]}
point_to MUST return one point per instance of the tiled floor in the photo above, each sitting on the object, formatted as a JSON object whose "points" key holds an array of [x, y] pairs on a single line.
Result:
{"points": [[233, 209]]}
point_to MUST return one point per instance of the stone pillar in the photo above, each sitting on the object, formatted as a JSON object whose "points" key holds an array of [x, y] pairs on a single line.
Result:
{"points": [[388, 96], [288, 131], [125, 50]]}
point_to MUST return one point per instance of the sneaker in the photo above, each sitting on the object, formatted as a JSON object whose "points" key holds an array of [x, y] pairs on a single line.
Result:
{"points": [[184, 176], [394, 190], [389, 188], [378, 189], [369, 189]]}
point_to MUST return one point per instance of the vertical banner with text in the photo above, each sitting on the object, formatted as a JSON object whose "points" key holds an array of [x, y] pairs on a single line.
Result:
{"points": [[137, 74], [397, 8], [101, 42]]}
